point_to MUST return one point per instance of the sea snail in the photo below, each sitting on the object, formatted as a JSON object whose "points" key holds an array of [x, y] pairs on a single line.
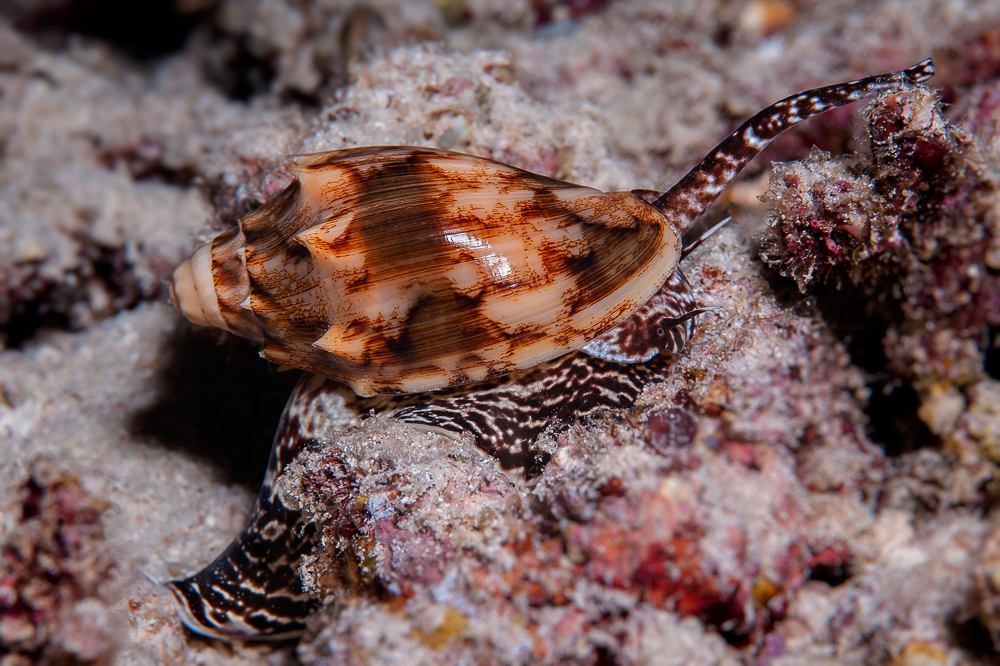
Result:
{"points": [[399, 270], [402, 269]]}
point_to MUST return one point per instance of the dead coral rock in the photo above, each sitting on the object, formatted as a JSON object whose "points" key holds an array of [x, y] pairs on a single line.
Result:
{"points": [[988, 584], [56, 575], [445, 561], [912, 233], [826, 221]]}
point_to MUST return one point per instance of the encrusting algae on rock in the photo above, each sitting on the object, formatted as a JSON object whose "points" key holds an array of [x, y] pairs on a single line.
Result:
{"points": [[911, 231], [660, 560]]}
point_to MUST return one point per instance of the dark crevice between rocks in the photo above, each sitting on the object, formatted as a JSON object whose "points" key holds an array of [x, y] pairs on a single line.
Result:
{"points": [[143, 30], [993, 353], [549, 11], [893, 422], [892, 405], [970, 635], [833, 574], [861, 325], [31, 303], [22, 318], [143, 162], [217, 399], [239, 73]]}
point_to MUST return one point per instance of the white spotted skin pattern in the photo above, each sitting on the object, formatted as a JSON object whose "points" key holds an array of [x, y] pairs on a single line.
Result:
{"points": [[253, 589], [654, 328]]}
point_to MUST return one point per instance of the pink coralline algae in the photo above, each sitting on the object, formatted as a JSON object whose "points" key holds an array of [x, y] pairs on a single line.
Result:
{"points": [[464, 564], [56, 576]]}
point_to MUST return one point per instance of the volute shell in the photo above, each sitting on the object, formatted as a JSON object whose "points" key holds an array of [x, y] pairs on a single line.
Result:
{"points": [[401, 269]]}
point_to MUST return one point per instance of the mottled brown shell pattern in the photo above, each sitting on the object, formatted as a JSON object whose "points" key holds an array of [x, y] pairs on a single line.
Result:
{"points": [[401, 269]]}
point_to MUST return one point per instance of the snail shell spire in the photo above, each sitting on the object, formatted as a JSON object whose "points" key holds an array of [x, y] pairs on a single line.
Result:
{"points": [[192, 289], [212, 286]]}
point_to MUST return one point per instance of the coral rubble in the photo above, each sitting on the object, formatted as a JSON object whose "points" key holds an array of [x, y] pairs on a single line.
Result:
{"points": [[816, 479], [58, 578]]}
